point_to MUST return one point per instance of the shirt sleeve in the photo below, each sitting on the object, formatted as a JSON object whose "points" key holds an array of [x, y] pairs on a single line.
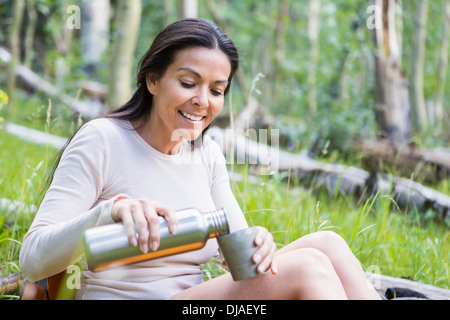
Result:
{"points": [[221, 192], [70, 206]]}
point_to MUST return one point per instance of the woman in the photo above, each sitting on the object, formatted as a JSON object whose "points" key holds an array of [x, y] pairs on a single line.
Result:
{"points": [[149, 158]]}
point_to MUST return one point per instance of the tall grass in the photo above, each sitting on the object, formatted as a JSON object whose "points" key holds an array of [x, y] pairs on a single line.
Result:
{"points": [[22, 168], [400, 244]]}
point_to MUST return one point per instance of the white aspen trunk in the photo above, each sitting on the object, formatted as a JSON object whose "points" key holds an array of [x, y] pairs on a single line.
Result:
{"points": [[190, 9], [29, 36], [15, 50], [392, 109], [443, 66], [313, 32], [419, 114], [94, 34], [122, 56]]}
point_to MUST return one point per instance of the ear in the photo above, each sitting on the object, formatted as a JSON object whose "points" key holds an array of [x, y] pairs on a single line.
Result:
{"points": [[152, 83]]}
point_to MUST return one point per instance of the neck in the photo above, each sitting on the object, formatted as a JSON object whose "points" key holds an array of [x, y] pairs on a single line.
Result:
{"points": [[155, 139]]}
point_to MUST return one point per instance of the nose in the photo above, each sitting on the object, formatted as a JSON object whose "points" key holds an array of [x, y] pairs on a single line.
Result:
{"points": [[201, 99]]}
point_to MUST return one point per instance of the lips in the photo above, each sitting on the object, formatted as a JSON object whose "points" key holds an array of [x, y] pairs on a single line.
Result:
{"points": [[191, 116]]}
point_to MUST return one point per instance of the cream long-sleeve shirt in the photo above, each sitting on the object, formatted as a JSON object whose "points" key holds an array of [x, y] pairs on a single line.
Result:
{"points": [[107, 159]]}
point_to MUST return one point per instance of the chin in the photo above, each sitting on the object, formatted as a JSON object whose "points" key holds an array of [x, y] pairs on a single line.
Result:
{"points": [[186, 134]]}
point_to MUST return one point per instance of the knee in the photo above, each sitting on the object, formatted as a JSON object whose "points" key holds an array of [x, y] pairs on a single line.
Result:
{"points": [[306, 270], [308, 261], [330, 240], [330, 237]]}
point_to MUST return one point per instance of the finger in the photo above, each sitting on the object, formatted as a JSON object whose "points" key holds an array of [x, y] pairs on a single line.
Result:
{"points": [[263, 240], [141, 225], [169, 214], [124, 214], [260, 235], [267, 261], [274, 267], [153, 224]]}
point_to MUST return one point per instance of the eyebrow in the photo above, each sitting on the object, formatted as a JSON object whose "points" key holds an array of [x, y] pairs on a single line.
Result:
{"points": [[195, 73]]}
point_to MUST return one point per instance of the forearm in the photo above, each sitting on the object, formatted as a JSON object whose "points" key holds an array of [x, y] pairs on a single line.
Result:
{"points": [[50, 249]]}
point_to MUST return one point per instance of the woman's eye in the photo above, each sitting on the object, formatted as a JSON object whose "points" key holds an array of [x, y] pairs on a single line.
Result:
{"points": [[216, 92], [187, 85]]}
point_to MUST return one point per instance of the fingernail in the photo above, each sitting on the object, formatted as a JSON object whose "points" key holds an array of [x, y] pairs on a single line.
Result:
{"points": [[257, 258], [144, 248], [261, 268], [154, 245], [258, 241], [173, 228], [134, 242]]}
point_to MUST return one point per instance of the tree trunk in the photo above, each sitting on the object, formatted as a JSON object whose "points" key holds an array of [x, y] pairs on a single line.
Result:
{"points": [[190, 9], [94, 36], [313, 32], [419, 113], [19, 6], [29, 37], [122, 56], [392, 108], [442, 67]]}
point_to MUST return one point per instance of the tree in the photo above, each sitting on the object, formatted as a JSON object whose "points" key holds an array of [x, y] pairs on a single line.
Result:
{"points": [[189, 9], [94, 36], [419, 114], [313, 32], [392, 107], [128, 22], [19, 6], [443, 65]]}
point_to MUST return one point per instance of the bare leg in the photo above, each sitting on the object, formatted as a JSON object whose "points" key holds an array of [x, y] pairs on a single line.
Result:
{"points": [[302, 274], [316, 266], [344, 262]]}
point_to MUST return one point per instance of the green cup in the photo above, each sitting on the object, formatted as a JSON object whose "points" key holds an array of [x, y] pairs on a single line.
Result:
{"points": [[237, 249]]}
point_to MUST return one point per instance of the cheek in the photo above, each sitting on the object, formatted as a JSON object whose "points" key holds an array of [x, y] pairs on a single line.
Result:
{"points": [[216, 107]]}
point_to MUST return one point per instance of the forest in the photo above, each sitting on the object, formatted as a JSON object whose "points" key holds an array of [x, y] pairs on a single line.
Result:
{"points": [[355, 96]]}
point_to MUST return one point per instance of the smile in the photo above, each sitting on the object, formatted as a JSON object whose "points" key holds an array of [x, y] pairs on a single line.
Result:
{"points": [[191, 117]]}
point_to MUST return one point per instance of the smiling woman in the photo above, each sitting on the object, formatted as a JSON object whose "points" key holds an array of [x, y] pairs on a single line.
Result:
{"points": [[135, 165]]}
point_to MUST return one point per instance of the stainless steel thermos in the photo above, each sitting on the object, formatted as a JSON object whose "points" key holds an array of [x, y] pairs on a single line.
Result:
{"points": [[108, 246]]}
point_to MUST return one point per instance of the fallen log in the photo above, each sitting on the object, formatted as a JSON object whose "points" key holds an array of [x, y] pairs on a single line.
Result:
{"points": [[429, 166], [331, 177], [11, 284], [383, 283], [31, 80]]}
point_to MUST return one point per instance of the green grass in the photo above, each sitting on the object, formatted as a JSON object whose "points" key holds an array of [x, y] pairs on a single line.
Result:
{"points": [[22, 168], [394, 243]]}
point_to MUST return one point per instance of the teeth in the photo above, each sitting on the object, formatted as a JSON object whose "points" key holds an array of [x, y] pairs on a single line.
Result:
{"points": [[191, 117]]}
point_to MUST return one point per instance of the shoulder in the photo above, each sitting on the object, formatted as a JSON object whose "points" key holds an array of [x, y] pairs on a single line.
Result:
{"points": [[105, 125], [101, 130]]}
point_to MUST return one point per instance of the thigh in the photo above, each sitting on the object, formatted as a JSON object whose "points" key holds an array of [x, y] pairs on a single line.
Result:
{"points": [[296, 278]]}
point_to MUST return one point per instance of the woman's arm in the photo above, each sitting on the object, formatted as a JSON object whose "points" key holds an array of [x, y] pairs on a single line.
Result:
{"points": [[70, 206]]}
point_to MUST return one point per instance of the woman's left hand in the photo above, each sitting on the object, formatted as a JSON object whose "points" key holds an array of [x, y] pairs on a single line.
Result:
{"points": [[264, 255]]}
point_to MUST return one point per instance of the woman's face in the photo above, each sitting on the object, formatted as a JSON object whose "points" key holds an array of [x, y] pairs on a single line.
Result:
{"points": [[190, 93]]}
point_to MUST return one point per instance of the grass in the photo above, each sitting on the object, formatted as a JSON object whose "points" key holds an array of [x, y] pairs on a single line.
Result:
{"points": [[398, 244], [22, 168]]}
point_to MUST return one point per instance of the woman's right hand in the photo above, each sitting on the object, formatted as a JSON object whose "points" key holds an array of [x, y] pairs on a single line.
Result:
{"points": [[143, 215]]}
